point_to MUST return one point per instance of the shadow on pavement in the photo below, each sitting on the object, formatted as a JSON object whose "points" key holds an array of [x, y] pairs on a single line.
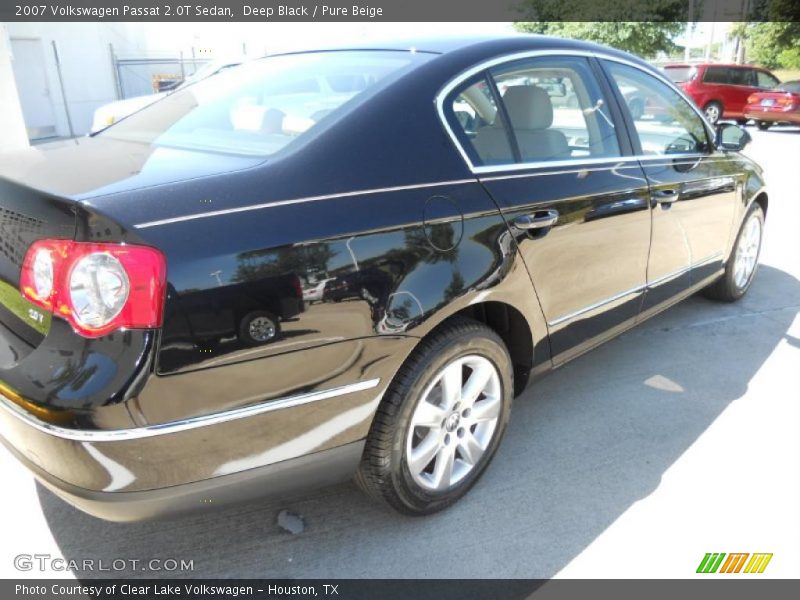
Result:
{"points": [[583, 445]]}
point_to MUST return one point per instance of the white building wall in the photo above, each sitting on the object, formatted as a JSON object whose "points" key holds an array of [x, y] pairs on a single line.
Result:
{"points": [[86, 66], [12, 124]]}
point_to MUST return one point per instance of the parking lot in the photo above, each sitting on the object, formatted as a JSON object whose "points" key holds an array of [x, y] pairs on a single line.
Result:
{"points": [[679, 438]]}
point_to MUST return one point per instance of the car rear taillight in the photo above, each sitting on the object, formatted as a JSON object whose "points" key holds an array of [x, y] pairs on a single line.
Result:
{"points": [[752, 99], [298, 286], [97, 288]]}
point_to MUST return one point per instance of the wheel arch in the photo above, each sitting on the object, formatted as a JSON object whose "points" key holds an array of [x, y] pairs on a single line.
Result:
{"points": [[513, 328], [525, 337], [762, 199]]}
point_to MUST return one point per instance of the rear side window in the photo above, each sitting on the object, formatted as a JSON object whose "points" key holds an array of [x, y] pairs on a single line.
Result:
{"points": [[717, 75], [730, 76], [665, 122], [556, 109], [534, 110], [259, 108], [481, 127]]}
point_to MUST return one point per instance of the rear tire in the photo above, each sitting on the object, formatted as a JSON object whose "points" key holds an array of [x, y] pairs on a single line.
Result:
{"points": [[763, 125], [439, 425], [743, 261]]}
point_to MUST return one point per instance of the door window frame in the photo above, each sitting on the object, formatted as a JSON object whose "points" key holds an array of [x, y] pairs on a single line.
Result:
{"points": [[630, 146], [631, 126]]}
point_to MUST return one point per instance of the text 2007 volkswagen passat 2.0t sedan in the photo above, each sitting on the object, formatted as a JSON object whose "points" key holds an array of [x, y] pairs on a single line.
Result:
{"points": [[465, 214]]}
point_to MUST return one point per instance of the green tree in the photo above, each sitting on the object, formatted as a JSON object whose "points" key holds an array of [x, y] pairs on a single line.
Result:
{"points": [[772, 44], [772, 35], [604, 22]]}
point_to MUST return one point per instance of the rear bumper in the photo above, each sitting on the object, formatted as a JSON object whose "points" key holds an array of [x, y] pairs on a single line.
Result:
{"points": [[767, 113], [290, 476], [272, 448]]}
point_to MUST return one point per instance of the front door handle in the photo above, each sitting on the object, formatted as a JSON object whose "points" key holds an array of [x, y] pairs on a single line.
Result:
{"points": [[541, 219], [665, 197]]}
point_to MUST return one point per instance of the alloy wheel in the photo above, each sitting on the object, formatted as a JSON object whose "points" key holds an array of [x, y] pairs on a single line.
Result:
{"points": [[747, 251], [712, 113], [262, 329], [454, 423]]}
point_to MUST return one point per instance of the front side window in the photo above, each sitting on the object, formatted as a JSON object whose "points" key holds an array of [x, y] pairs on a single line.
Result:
{"points": [[259, 108], [765, 80], [741, 76], [665, 122]]}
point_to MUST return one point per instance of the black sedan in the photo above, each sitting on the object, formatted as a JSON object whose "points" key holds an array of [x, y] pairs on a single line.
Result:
{"points": [[155, 350]]}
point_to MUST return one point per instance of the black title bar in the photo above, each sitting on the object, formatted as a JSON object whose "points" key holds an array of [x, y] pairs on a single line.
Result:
{"points": [[398, 589], [398, 10]]}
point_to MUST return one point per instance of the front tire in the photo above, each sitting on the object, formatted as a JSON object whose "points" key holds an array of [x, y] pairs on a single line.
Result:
{"points": [[743, 262], [763, 125], [441, 420]]}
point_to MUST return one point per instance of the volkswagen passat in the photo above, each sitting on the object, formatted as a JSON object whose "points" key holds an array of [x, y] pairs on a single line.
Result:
{"points": [[481, 210]]}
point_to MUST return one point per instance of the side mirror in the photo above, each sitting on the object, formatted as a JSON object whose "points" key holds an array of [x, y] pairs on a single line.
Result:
{"points": [[732, 137]]}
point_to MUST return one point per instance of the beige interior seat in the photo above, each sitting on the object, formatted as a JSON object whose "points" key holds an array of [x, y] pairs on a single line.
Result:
{"points": [[531, 113]]}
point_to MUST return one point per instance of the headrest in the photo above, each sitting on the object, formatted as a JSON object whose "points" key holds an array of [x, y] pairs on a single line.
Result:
{"points": [[529, 107]]}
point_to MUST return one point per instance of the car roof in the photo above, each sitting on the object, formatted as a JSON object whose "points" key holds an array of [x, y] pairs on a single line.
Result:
{"points": [[492, 44]]}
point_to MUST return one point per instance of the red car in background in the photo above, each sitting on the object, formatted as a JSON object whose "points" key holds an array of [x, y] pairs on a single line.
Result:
{"points": [[781, 105], [721, 90]]}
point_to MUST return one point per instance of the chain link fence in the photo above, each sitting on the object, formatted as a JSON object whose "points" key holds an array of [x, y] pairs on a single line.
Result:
{"points": [[143, 75]]}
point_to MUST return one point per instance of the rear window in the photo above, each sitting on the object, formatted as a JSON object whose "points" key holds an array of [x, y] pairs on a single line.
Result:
{"points": [[789, 86], [680, 74], [259, 108]]}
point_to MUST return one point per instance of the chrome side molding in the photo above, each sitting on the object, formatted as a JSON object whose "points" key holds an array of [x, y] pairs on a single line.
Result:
{"points": [[83, 435], [637, 290]]}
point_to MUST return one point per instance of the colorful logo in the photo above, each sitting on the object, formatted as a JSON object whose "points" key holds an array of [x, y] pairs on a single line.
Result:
{"points": [[713, 562]]}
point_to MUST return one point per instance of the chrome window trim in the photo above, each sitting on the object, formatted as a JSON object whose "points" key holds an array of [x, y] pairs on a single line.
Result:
{"points": [[113, 435], [582, 169], [459, 79], [640, 288]]}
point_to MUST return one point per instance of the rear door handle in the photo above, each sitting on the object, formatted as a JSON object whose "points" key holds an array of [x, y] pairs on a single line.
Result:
{"points": [[665, 197], [541, 219]]}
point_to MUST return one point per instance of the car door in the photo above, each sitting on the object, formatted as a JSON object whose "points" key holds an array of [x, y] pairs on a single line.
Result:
{"points": [[543, 139], [693, 187]]}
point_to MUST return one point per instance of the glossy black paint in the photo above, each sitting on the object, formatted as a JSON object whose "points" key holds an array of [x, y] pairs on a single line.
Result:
{"points": [[382, 205], [597, 248]]}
